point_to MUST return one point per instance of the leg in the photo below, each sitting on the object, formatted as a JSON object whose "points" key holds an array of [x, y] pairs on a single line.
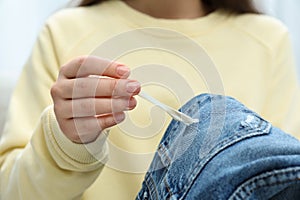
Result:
{"points": [[232, 153]]}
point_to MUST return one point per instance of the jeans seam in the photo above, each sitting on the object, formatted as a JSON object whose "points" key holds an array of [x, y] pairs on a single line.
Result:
{"points": [[241, 135], [168, 189], [258, 178], [164, 156], [152, 190], [238, 136]]}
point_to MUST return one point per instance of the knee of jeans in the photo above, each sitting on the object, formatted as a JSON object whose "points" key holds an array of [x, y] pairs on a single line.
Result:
{"points": [[217, 114], [210, 103], [201, 98]]}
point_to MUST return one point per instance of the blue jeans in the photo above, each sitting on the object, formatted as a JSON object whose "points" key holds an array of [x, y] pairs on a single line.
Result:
{"points": [[232, 153]]}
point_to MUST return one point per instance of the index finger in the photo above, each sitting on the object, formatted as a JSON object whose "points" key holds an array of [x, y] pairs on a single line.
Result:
{"points": [[84, 66]]}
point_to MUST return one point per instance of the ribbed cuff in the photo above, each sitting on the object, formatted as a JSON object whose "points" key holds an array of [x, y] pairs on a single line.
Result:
{"points": [[69, 155]]}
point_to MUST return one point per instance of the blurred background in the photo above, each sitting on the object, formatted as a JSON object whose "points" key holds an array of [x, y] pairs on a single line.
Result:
{"points": [[21, 21]]}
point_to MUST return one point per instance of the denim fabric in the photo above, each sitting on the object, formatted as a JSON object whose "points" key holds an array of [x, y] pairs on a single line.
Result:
{"points": [[232, 153]]}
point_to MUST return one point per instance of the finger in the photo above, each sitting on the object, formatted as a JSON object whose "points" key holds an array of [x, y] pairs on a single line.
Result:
{"points": [[93, 106], [88, 129], [95, 87], [92, 65]]}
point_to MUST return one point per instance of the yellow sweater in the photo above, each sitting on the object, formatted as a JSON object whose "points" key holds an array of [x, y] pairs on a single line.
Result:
{"points": [[252, 62]]}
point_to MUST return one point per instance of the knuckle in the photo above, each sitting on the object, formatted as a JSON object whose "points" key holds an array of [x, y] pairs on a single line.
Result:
{"points": [[81, 66], [59, 108], [63, 69], [55, 90], [61, 89], [80, 60]]}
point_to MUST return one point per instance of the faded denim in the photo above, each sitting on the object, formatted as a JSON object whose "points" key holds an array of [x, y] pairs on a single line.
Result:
{"points": [[232, 153]]}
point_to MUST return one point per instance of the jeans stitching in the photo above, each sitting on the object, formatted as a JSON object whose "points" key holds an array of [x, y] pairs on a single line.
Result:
{"points": [[168, 189], [201, 164], [151, 187], [264, 177], [225, 143], [164, 157]]}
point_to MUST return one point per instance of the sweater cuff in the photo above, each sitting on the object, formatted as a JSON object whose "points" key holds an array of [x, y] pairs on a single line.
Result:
{"points": [[69, 155]]}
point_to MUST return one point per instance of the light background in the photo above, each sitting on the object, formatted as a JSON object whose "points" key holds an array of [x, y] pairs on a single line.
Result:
{"points": [[21, 21]]}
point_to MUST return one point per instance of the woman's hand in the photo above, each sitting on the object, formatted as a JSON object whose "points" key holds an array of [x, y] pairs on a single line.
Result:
{"points": [[85, 105]]}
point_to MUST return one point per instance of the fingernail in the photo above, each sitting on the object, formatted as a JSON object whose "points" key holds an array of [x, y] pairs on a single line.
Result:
{"points": [[133, 86], [122, 70], [132, 103], [119, 117]]}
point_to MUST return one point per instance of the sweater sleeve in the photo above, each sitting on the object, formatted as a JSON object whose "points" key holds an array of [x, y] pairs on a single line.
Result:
{"points": [[283, 98], [36, 160]]}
